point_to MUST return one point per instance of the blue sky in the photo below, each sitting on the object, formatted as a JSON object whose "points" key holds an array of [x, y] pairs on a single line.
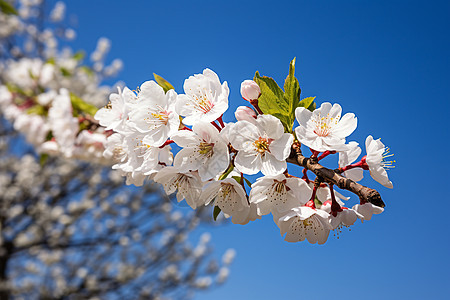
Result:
{"points": [[386, 61]]}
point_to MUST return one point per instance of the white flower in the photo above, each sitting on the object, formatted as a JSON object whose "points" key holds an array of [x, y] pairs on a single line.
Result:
{"points": [[244, 113], [5, 97], [278, 194], [229, 196], [114, 115], [62, 123], [34, 127], [349, 156], [375, 159], [203, 150], [346, 217], [205, 99], [367, 210], [305, 222], [249, 213], [250, 90], [154, 114], [262, 147], [116, 148], [143, 158], [323, 129], [189, 185]]}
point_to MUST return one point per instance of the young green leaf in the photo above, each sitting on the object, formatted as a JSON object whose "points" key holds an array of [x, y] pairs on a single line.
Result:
{"points": [[272, 96], [65, 72], [317, 202], [163, 83], [308, 103], [216, 212], [79, 105], [37, 110], [237, 178], [43, 159], [7, 8], [79, 55], [292, 92]]}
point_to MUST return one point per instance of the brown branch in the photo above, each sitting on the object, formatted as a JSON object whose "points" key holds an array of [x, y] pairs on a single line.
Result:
{"points": [[364, 193]]}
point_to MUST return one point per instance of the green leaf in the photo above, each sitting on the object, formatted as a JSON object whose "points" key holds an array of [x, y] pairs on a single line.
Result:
{"points": [[317, 202], [272, 98], [43, 159], [79, 105], [49, 136], [37, 110], [237, 178], [7, 8], [163, 83], [292, 92], [87, 70], [248, 182], [216, 212], [65, 72], [50, 61], [308, 103], [79, 55], [227, 172]]}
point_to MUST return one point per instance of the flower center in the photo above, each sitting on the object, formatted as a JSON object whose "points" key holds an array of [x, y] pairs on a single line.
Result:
{"points": [[387, 164], [201, 101], [324, 125], [226, 190], [280, 186], [206, 149], [162, 117], [307, 223], [118, 153], [262, 144]]}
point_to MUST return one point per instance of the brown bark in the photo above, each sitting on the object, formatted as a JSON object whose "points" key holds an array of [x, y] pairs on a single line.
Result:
{"points": [[324, 174]]}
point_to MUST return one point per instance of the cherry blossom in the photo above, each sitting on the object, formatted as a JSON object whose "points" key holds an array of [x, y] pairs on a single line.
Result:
{"points": [[367, 210], [278, 194], [204, 150], [349, 156], [323, 129], [250, 90], [154, 113], [188, 185], [262, 146], [375, 159], [228, 195], [302, 223], [206, 99], [114, 115]]}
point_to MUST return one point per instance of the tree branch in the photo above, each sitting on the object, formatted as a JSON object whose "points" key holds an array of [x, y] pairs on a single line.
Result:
{"points": [[364, 193]]}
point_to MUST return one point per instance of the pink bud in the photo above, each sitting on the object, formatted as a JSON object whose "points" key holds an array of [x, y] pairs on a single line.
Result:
{"points": [[244, 113], [250, 90]]}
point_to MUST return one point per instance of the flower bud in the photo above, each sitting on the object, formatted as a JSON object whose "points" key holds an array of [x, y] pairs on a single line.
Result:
{"points": [[250, 90], [244, 113]]}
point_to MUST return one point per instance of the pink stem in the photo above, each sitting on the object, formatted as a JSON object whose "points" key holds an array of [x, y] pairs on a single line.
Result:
{"points": [[217, 126], [168, 142], [221, 121], [325, 154]]}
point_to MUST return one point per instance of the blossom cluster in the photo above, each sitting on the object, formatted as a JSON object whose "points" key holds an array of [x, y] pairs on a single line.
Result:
{"points": [[51, 97], [215, 157]]}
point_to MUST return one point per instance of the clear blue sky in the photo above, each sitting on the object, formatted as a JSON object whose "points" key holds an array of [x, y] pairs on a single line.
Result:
{"points": [[386, 61]]}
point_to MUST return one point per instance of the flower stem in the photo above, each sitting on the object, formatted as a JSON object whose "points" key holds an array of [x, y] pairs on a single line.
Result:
{"points": [[325, 154], [256, 106], [335, 207], [305, 175], [217, 126], [221, 121], [168, 142]]}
